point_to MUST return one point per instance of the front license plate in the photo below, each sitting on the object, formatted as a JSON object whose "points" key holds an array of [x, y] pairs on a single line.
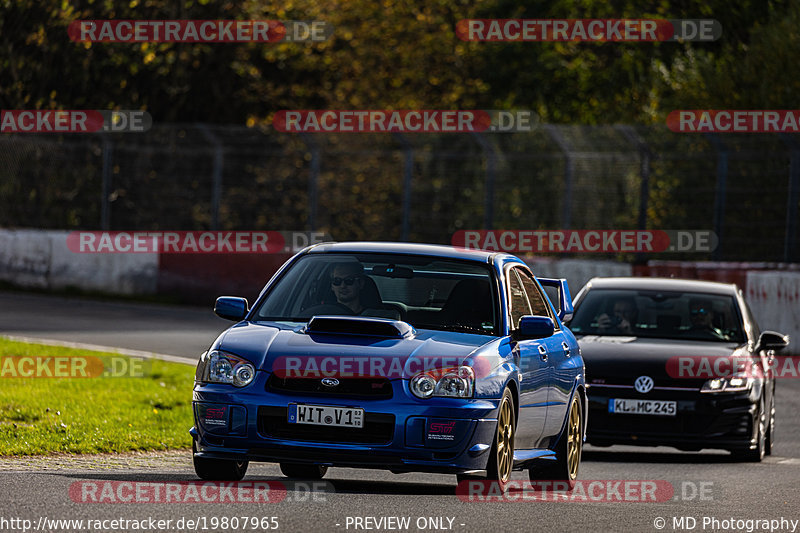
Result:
{"points": [[326, 415], [642, 407]]}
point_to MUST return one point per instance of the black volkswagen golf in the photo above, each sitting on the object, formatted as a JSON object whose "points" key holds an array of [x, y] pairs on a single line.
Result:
{"points": [[676, 363]]}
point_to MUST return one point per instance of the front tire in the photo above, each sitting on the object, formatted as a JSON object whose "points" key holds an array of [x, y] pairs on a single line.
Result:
{"points": [[303, 471], [756, 455], [568, 450], [770, 441], [501, 456], [218, 469]]}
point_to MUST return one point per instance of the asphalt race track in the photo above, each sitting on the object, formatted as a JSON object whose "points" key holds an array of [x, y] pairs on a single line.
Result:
{"points": [[182, 331], [706, 485]]}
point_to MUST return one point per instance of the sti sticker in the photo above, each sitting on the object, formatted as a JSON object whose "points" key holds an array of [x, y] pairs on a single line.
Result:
{"points": [[441, 430], [215, 416]]}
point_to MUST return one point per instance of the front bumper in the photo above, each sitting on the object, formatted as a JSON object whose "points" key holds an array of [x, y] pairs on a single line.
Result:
{"points": [[703, 420], [401, 433]]}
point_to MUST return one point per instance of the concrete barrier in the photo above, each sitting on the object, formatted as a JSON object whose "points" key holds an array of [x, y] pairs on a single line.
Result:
{"points": [[25, 257], [40, 259], [724, 272], [774, 298], [577, 271], [200, 278], [106, 272]]}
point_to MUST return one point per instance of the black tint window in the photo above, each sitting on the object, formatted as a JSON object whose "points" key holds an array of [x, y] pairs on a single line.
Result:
{"points": [[518, 300], [538, 305]]}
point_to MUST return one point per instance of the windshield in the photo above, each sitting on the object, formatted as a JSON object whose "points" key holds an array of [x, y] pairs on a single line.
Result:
{"points": [[428, 293], [671, 315]]}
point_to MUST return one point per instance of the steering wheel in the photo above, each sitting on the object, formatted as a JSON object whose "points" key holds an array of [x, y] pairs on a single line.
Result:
{"points": [[708, 332]]}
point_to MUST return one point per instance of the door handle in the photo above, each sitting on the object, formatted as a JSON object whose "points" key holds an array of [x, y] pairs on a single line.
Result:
{"points": [[543, 352], [566, 348]]}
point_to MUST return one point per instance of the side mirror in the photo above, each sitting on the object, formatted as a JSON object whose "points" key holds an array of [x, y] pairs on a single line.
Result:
{"points": [[535, 327], [231, 307], [772, 340]]}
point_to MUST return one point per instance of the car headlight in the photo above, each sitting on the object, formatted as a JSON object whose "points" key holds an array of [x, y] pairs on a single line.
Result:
{"points": [[219, 367], [729, 384], [452, 382]]}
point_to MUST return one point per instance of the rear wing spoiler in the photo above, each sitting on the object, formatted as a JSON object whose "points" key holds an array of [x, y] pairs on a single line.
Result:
{"points": [[565, 309]]}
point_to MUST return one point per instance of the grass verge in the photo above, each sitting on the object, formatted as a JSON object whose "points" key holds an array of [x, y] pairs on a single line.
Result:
{"points": [[141, 405]]}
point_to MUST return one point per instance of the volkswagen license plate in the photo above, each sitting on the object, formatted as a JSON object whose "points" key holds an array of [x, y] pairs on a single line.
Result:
{"points": [[627, 406]]}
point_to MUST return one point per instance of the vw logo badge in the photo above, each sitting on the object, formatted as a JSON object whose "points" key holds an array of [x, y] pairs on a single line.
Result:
{"points": [[643, 384], [333, 382]]}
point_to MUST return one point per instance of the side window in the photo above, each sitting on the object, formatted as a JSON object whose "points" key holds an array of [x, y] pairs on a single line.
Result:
{"points": [[538, 305], [517, 299]]}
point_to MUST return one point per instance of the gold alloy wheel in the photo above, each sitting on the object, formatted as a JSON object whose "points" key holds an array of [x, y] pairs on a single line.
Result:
{"points": [[505, 441], [574, 440]]}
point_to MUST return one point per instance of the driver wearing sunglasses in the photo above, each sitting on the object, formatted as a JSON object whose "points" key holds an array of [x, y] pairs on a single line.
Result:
{"points": [[701, 316], [347, 282]]}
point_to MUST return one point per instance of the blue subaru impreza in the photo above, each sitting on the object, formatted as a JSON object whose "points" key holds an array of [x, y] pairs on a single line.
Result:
{"points": [[403, 357]]}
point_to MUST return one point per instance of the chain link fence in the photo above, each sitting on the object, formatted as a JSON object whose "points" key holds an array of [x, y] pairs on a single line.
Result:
{"points": [[412, 187]]}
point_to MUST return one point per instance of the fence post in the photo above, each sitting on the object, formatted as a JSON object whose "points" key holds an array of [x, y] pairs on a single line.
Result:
{"points": [[313, 179], [491, 164], [721, 194], [408, 169], [105, 188], [216, 173], [793, 196], [645, 155], [569, 173]]}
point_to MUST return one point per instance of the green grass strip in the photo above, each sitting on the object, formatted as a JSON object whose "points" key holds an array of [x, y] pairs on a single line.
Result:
{"points": [[142, 405]]}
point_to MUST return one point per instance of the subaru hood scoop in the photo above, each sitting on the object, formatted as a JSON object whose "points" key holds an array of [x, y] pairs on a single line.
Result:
{"points": [[366, 326]]}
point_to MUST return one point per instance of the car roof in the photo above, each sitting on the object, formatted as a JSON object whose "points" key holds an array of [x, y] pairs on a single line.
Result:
{"points": [[434, 250], [664, 284]]}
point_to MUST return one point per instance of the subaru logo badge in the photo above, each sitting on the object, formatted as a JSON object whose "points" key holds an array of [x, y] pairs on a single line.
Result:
{"points": [[643, 384], [330, 382]]}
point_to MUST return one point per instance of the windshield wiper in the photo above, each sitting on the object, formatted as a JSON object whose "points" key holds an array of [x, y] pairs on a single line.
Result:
{"points": [[438, 327], [454, 327]]}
